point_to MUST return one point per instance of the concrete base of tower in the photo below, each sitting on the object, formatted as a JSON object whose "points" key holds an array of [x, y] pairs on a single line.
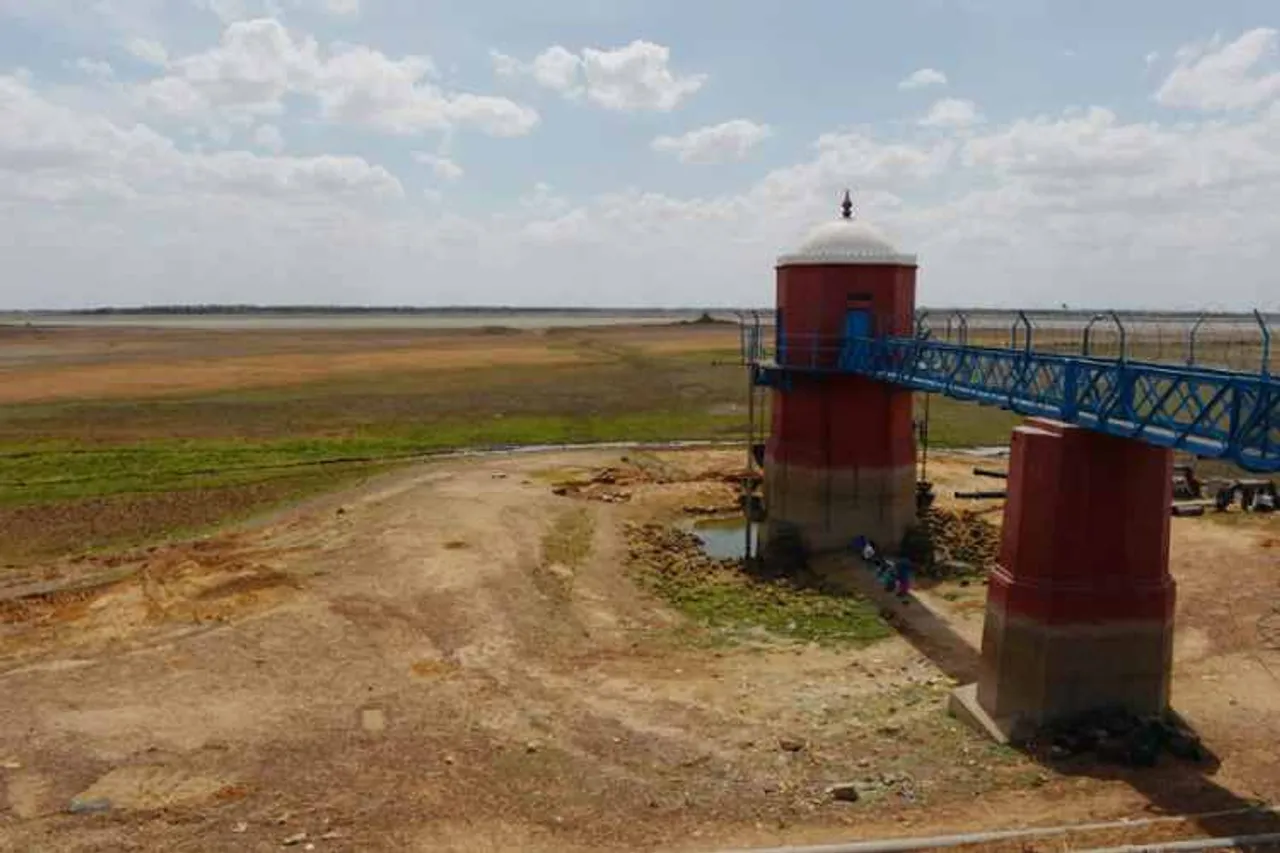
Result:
{"points": [[829, 507]]}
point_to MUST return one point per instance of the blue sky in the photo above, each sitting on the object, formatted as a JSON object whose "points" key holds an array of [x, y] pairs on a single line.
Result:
{"points": [[633, 153]]}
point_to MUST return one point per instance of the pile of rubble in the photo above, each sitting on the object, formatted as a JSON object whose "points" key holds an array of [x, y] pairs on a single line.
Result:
{"points": [[617, 485], [962, 542], [666, 550], [608, 485], [1116, 736]]}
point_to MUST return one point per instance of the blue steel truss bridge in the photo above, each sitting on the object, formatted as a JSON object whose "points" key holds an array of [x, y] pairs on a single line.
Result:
{"points": [[1175, 396]]}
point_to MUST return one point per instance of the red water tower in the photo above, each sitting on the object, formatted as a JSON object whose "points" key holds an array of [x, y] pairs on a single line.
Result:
{"points": [[840, 459]]}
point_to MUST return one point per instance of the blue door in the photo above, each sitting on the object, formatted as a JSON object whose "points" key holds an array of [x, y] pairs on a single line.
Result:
{"points": [[857, 325]]}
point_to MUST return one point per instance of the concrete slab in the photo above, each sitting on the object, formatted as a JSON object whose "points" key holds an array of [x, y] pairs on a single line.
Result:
{"points": [[963, 705]]}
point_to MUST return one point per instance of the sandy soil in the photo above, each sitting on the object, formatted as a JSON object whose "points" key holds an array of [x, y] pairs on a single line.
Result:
{"points": [[403, 667]]}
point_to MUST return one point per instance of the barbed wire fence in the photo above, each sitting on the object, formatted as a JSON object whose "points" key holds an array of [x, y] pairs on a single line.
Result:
{"points": [[1239, 342]]}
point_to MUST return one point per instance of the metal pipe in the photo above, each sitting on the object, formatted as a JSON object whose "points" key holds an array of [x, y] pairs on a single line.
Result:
{"points": [[1088, 328], [1020, 320], [982, 495], [1221, 843], [1266, 341], [902, 845], [924, 441], [1191, 339], [742, 335], [1124, 346]]}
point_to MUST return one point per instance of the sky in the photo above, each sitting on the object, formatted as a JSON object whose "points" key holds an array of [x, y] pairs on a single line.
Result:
{"points": [[637, 153]]}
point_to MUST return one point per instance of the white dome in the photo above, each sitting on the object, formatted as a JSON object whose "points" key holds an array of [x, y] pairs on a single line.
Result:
{"points": [[846, 241]]}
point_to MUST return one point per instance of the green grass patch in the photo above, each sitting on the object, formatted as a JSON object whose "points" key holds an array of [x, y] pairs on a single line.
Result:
{"points": [[722, 597], [738, 605], [953, 423], [43, 473], [111, 523]]}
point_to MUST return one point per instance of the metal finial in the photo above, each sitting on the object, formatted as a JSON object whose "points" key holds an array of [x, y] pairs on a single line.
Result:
{"points": [[846, 206]]}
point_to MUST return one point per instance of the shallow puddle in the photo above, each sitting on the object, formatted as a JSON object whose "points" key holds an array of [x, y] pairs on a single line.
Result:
{"points": [[725, 538]]}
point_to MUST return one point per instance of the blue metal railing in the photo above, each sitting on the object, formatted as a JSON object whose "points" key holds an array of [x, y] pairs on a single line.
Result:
{"points": [[1210, 412]]}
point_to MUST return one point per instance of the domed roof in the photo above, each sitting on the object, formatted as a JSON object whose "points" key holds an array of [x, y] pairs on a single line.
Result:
{"points": [[846, 241]]}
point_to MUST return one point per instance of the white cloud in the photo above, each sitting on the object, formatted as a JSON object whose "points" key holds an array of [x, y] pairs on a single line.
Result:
{"points": [[1083, 205], [54, 153], [94, 68], [720, 143], [268, 136], [922, 78], [257, 63], [951, 112], [557, 68], [1150, 58], [1216, 76], [150, 52], [443, 167], [633, 78], [505, 65], [228, 11]]}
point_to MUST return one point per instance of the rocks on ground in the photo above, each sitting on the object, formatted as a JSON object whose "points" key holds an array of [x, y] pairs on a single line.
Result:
{"points": [[962, 542], [1116, 736]]}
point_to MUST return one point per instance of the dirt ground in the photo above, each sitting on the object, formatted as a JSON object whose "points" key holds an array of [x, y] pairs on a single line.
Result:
{"points": [[455, 657], [52, 363]]}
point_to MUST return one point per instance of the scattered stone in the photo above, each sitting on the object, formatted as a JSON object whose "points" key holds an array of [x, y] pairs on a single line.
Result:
{"points": [[342, 510], [788, 744], [498, 475], [295, 839], [11, 764], [843, 793], [891, 729], [531, 746], [331, 835], [309, 847], [1117, 736], [240, 828], [449, 759], [95, 805]]}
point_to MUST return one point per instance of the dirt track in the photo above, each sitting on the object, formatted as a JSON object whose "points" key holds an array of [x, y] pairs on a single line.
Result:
{"points": [[403, 667]]}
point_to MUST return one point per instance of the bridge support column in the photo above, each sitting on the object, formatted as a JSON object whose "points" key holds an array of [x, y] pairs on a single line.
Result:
{"points": [[1080, 615]]}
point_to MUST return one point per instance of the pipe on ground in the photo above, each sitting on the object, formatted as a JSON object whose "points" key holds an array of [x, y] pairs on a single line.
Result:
{"points": [[903, 845], [1225, 842]]}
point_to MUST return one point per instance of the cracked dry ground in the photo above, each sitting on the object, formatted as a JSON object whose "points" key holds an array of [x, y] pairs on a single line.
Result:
{"points": [[453, 657]]}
